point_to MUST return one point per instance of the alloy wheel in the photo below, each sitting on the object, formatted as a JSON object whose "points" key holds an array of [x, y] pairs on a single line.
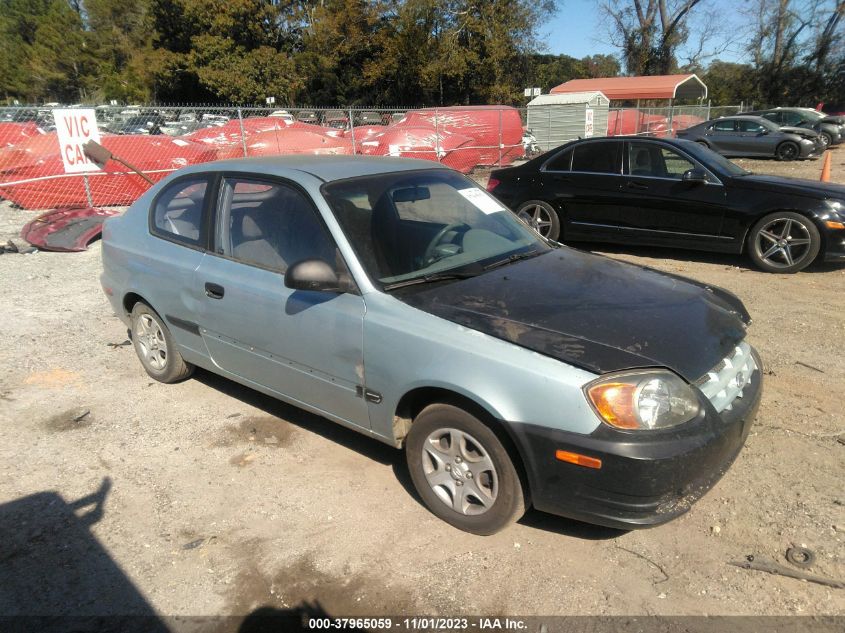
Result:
{"points": [[460, 471], [538, 218], [151, 342], [783, 242], [788, 151]]}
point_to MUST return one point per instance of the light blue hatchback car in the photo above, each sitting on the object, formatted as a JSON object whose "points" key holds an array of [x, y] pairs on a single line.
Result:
{"points": [[400, 299]]}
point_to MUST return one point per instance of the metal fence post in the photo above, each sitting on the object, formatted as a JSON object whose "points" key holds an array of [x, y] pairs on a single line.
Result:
{"points": [[87, 185], [243, 135], [436, 135], [500, 138], [352, 130]]}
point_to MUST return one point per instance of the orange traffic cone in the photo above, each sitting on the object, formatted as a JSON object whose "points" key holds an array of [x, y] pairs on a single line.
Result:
{"points": [[826, 168]]}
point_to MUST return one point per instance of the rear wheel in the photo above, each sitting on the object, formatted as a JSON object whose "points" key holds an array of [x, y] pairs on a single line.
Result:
{"points": [[540, 216], [783, 242], [462, 470], [703, 144], [787, 151], [155, 346]]}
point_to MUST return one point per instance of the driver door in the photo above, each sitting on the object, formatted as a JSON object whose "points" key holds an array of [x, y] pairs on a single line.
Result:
{"points": [[304, 346]]}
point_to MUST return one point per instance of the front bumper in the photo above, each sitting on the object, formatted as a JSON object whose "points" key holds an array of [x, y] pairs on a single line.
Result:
{"points": [[646, 477]]}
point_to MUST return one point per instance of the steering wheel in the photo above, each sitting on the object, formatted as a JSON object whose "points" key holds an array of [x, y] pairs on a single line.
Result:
{"points": [[429, 257]]}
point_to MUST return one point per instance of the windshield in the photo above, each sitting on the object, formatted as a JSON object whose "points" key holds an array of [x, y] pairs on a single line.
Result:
{"points": [[409, 225]]}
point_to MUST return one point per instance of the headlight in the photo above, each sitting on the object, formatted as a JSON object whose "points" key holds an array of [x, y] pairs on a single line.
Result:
{"points": [[647, 399]]}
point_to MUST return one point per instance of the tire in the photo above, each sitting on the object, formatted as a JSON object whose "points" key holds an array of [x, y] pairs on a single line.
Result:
{"points": [[703, 144], [155, 346], [787, 151], [783, 242], [826, 139], [540, 216], [478, 456]]}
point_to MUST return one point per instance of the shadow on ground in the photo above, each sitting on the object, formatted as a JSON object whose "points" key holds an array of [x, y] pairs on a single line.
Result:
{"points": [[56, 576]]}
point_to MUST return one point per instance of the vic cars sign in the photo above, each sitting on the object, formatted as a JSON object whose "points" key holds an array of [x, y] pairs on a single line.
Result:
{"points": [[75, 128]]}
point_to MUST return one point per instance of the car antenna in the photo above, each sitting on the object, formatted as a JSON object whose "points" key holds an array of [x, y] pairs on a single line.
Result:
{"points": [[101, 156]]}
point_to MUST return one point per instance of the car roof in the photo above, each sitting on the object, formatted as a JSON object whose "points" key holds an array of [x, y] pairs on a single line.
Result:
{"points": [[326, 168]]}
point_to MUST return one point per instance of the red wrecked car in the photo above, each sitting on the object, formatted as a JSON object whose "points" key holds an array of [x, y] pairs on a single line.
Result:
{"points": [[32, 174]]}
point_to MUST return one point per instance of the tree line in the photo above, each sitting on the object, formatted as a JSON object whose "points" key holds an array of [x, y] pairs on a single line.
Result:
{"points": [[397, 52]]}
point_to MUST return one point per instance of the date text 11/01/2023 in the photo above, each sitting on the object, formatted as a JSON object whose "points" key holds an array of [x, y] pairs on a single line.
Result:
{"points": [[419, 624]]}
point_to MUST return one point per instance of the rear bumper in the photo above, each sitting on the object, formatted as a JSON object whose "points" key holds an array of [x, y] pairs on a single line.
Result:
{"points": [[646, 478]]}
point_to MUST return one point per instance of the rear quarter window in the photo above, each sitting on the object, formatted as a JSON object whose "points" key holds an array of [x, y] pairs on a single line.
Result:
{"points": [[177, 214]]}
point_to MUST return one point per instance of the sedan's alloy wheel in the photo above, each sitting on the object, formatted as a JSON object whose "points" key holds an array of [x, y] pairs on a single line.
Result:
{"points": [[151, 342], [538, 218], [783, 243], [460, 471]]}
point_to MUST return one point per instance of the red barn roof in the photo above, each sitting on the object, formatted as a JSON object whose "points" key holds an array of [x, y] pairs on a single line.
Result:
{"points": [[653, 87]]}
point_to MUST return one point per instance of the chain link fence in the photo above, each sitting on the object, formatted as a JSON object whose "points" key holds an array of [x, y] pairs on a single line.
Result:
{"points": [[158, 140]]}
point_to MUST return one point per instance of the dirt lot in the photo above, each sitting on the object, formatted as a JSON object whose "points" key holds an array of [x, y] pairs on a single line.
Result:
{"points": [[209, 498]]}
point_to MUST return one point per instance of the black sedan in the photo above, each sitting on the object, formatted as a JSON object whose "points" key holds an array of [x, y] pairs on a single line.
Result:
{"points": [[665, 192], [754, 136]]}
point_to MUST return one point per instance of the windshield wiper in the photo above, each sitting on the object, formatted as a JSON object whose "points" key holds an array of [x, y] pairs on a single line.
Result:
{"points": [[427, 279], [510, 259]]}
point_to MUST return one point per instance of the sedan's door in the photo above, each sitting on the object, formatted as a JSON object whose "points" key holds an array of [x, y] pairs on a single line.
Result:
{"points": [[661, 208], [757, 139], [585, 184], [305, 346], [723, 137]]}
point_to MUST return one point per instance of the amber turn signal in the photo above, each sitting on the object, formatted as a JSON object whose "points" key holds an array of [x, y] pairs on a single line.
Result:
{"points": [[615, 403], [834, 225], [580, 460]]}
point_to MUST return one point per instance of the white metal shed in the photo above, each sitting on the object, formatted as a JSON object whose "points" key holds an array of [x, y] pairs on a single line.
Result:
{"points": [[556, 119]]}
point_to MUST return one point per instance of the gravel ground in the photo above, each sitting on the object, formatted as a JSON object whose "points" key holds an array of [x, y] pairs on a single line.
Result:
{"points": [[122, 495]]}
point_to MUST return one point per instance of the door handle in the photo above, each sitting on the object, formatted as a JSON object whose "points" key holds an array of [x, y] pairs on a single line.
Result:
{"points": [[636, 185], [214, 291], [561, 178]]}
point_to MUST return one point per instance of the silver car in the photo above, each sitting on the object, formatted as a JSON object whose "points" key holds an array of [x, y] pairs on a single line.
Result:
{"points": [[398, 298]]}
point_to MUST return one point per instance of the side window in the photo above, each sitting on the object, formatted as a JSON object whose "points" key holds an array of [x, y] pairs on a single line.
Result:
{"points": [[792, 118], [656, 161], [177, 214], [561, 162], [674, 164], [773, 116], [751, 126], [597, 157], [723, 126], [270, 225]]}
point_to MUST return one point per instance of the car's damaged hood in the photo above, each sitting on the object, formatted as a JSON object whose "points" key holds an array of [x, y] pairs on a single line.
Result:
{"points": [[594, 312]]}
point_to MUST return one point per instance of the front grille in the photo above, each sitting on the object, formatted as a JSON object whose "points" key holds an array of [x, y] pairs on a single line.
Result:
{"points": [[725, 382]]}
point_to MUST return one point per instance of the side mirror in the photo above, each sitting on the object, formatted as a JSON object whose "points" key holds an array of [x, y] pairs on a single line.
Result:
{"points": [[694, 177], [312, 274], [764, 131]]}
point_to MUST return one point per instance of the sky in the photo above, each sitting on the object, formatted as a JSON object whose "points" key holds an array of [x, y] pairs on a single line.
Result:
{"points": [[578, 29]]}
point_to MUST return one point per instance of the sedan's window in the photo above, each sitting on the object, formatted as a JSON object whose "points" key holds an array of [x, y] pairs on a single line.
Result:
{"points": [[601, 157], [656, 161], [792, 118], [561, 162], [772, 116], [270, 225], [407, 225], [751, 126], [178, 214], [723, 126]]}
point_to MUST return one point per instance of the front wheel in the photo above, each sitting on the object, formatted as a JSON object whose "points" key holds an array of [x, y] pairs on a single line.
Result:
{"points": [[155, 346], [783, 242], [540, 216], [462, 471], [826, 139], [787, 151]]}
